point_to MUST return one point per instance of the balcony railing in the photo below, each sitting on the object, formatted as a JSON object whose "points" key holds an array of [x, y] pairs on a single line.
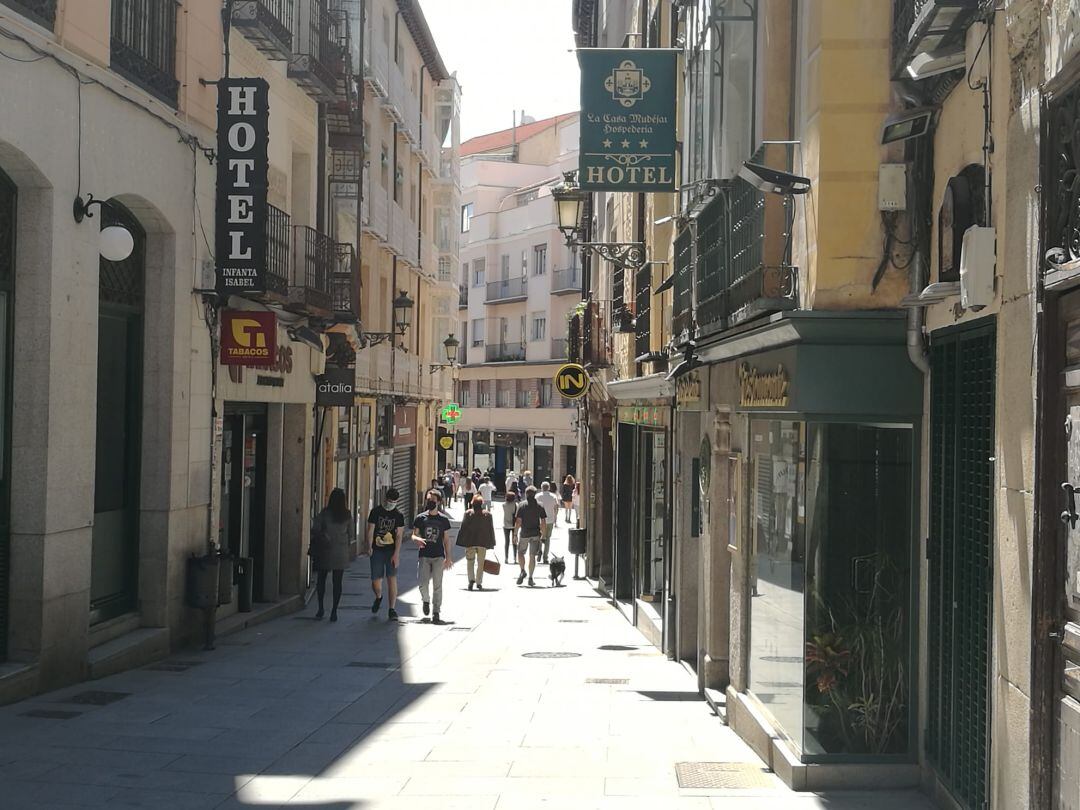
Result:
{"points": [[505, 352], [930, 29], [314, 263], [43, 12], [463, 295], [559, 349], [507, 289], [321, 52], [345, 281], [566, 281], [344, 120], [143, 45], [278, 241], [740, 270], [267, 24]]}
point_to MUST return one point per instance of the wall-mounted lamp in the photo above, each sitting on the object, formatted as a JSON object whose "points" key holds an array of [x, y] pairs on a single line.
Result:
{"points": [[450, 345], [403, 307], [115, 242], [569, 208]]}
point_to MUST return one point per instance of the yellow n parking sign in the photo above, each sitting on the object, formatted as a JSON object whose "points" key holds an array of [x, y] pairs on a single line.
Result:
{"points": [[572, 381]]}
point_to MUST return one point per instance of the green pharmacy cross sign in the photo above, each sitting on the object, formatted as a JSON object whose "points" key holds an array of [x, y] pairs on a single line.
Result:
{"points": [[627, 119], [450, 414]]}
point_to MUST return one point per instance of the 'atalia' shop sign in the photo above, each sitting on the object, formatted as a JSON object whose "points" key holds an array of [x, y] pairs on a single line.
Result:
{"points": [[627, 119], [336, 387], [243, 165]]}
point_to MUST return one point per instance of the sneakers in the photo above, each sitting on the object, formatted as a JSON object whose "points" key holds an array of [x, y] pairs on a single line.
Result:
{"points": [[436, 620], [521, 576], [375, 604], [471, 586], [427, 608], [531, 583], [392, 615]]}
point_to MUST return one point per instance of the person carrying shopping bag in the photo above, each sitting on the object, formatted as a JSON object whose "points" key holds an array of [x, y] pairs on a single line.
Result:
{"points": [[477, 537]]}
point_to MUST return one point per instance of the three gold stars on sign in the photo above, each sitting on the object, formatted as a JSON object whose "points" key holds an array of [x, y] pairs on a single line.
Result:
{"points": [[643, 144]]}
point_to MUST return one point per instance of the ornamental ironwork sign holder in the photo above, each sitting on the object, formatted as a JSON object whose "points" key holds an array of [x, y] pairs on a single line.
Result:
{"points": [[628, 255]]}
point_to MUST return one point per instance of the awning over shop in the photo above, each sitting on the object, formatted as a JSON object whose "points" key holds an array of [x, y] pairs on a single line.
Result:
{"points": [[654, 386]]}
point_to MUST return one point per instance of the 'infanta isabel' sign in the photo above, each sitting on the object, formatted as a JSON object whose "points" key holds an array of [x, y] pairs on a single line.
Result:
{"points": [[627, 119], [242, 168]]}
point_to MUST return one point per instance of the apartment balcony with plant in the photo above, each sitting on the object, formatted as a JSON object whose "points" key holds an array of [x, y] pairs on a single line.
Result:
{"points": [[142, 45], [267, 24]]}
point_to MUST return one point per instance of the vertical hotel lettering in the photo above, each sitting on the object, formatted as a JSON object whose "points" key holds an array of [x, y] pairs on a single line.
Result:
{"points": [[241, 211]]}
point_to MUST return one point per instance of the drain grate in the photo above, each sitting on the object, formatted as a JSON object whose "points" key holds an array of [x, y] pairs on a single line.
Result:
{"points": [[613, 681], [96, 698], [723, 775], [51, 714], [551, 655], [372, 665]]}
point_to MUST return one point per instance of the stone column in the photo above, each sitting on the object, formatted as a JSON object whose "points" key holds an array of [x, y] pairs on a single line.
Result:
{"points": [[296, 430]]}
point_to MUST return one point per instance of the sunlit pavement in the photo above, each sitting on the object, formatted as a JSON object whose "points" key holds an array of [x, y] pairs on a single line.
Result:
{"points": [[369, 714]]}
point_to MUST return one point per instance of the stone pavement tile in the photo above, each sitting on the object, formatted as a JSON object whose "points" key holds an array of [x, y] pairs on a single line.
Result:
{"points": [[407, 731], [165, 728], [221, 785], [335, 732], [260, 790], [542, 802], [19, 794], [226, 765], [99, 757], [370, 753], [399, 803], [23, 769], [158, 799], [323, 790], [567, 786], [306, 758]]}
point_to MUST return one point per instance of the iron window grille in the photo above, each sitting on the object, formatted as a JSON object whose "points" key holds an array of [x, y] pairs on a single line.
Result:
{"points": [[345, 282], [278, 241], [143, 45], [43, 12]]}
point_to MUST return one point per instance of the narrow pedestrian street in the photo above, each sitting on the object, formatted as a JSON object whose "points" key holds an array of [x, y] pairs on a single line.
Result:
{"points": [[531, 697]]}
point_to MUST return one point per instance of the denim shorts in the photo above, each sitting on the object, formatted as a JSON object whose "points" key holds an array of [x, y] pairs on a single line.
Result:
{"points": [[381, 565]]}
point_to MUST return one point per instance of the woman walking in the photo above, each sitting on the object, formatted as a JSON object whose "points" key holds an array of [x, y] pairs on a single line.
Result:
{"points": [[332, 535], [468, 490], [567, 493], [476, 536], [510, 508]]}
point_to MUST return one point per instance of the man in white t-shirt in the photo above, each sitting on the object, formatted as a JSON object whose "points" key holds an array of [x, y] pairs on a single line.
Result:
{"points": [[487, 491], [546, 498]]}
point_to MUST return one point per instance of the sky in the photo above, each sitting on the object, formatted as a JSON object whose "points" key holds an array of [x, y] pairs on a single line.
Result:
{"points": [[508, 54]]}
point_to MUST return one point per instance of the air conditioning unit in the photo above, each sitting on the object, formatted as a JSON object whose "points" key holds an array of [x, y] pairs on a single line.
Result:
{"points": [[977, 263]]}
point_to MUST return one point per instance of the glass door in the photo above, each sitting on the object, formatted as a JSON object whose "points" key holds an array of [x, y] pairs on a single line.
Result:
{"points": [[651, 485]]}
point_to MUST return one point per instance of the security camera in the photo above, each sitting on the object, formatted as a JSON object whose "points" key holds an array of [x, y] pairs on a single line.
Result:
{"points": [[907, 124], [307, 336], [773, 181]]}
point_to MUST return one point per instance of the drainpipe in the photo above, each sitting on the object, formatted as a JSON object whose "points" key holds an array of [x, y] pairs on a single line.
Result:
{"points": [[916, 348]]}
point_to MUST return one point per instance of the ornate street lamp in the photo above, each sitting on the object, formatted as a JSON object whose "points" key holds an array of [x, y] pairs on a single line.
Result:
{"points": [[450, 345], [403, 307], [569, 207], [115, 242]]}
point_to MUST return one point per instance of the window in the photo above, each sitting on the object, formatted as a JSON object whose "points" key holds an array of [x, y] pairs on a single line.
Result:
{"points": [[465, 395], [505, 265], [524, 398], [545, 393], [399, 183], [478, 272], [143, 43], [503, 400], [485, 395], [539, 260], [478, 332], [466, 217], [444, 269], [539, 327], [524, 263]]}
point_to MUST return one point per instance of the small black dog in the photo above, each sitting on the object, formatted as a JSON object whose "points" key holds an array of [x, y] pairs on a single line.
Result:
{"points": [[556, 570]]}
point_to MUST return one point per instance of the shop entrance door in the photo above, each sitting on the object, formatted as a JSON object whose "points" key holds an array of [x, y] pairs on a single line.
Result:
{"points": [[960, 587], [243, 487], [543, 459], [650, 487], [114, 550], [569, 461], [624, 514], [404, 478], [7, 294]]}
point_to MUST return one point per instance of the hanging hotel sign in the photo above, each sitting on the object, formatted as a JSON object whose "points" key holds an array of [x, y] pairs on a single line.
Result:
{"points": [[762, 390], [336, 387], [572, 381], [243, 165], [248, 338], [627, 119]]}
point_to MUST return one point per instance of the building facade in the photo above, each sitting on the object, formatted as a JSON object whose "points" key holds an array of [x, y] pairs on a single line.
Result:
{"points": [[519, 286]]}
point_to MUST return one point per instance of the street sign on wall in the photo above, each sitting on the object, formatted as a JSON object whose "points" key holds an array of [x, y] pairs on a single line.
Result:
{"points": [[627, 119]]}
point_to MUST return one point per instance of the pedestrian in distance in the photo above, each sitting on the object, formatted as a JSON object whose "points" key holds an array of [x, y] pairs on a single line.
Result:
{"points": [[567, 493], [332, 535], [530, 521], [468, 489], [387, 527], [456, 481], [477, 536], [511, 481], [527, 479], [431, 531], [487, 491], [577, 501], [510, 508], [448, 487], [546, 498]]}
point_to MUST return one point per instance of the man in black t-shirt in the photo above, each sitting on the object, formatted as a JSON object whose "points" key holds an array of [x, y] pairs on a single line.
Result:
{"points": [[431, 530], [530, 521], [387, 526]]}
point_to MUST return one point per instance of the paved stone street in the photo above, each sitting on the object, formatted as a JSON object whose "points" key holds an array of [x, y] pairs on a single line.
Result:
{"points": [[368, 714]]}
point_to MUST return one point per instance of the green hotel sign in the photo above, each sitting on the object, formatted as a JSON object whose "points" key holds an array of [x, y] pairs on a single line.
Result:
{"points": [[627, 119]]}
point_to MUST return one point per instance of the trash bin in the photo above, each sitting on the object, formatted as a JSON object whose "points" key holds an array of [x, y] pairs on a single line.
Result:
{"points": [[245, 572], [577, 541], [202, 581], [225, 579]]}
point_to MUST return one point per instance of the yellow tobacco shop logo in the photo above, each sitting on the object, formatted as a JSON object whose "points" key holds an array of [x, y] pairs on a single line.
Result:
{"points": [[247, 331], [247, 338], [757, 390]]}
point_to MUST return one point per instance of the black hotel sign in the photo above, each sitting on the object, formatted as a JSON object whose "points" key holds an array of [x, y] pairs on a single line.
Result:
{"points": [[243, 134]]}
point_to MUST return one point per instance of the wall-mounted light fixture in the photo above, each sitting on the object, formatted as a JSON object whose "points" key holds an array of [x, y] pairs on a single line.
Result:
{"points": [[569, 208], [403, 307], [450, 346], [115, 242]]}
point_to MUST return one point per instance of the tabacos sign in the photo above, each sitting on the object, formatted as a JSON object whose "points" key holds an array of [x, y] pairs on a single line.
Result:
{"points": [[241, 211], [627, 119], [248, 338]]}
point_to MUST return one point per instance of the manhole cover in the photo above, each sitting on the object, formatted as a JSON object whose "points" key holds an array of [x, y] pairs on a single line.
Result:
{"points": [[96, 698], [782, 659], [723, 775], [551, 655], [616, 647], [51, 714], [372, 664], [618, 681]]}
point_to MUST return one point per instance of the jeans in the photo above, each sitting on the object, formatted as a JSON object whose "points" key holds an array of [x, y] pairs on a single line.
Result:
{"points": [[431, 570], [474, 559]]}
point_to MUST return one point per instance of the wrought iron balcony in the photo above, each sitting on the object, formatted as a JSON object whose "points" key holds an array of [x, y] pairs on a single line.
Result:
{"points": [[314, 263], [741, 270], [559, 348], [267, 24], [143, 45], [505, 352], [507, 290], [345, 281], [463, 295], [344, 119], [43, 12], [928, 37], [278, 242], [564, 282], [321, 54]]}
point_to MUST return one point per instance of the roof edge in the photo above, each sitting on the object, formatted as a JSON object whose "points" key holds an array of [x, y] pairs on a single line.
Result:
{"points": [[422, 36]]}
